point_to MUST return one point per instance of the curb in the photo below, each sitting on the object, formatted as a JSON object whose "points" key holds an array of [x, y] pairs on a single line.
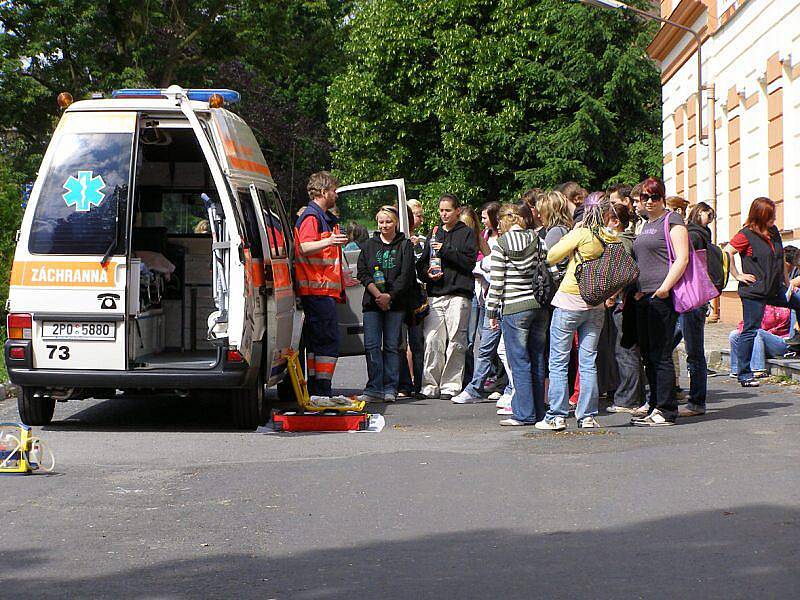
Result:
{"points": [[8, 391]]}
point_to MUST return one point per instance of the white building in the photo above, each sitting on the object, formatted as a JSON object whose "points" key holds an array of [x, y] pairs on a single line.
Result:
{"points": [[750, 111]]}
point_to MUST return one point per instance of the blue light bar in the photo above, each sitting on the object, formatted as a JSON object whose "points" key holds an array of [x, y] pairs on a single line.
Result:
{"points": [[229, 96]]}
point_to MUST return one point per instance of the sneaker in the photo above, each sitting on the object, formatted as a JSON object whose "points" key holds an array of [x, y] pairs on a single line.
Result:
{"points": [[405, 394], [369, 399], [749, 383], [503, 401], [641, 412], [620, 409], [513, 423], [444, 396], [654, 419], [733, 375], [429, 393], [555, 424], [464, 398], [760, 374], [711, 372], [505, 411], [389, 398], [494, 396], [588, 423], [690, 411]]}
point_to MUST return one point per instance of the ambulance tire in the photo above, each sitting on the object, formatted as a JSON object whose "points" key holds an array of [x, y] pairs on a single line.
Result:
{"points": [[249, 407], [35, 410]]}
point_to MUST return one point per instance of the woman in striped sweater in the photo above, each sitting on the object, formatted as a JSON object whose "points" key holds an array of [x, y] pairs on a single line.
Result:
{"points": [[524, 322]]}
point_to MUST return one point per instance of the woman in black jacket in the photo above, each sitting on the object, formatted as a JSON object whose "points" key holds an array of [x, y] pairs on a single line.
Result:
{"points": [[763, 280], [446, 268], [386, 270]]}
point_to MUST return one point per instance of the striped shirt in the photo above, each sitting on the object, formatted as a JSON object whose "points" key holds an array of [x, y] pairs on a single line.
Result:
{"points": [[514, 259]]}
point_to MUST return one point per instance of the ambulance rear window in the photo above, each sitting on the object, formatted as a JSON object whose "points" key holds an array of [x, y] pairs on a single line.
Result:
{"points": [[77, 208]]}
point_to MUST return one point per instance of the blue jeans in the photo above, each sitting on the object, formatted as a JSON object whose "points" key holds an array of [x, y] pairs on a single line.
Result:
{"points": [[693, 325], [588, 324], [766, 345], [381, 339], [525, 334], [753, 311], [490, 340]]}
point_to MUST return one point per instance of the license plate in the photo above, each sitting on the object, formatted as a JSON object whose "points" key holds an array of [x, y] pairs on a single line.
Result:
{"points": [[79, 330]]}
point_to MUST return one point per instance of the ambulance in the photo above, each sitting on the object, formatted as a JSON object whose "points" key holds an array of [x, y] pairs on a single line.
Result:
{"points": [[154, 254]]}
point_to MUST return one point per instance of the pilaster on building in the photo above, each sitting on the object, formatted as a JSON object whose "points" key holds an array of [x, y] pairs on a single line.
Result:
{"points": [[750, 142]]}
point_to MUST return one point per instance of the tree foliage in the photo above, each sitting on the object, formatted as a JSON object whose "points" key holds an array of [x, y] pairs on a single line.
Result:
{"points": [[488, 97]]}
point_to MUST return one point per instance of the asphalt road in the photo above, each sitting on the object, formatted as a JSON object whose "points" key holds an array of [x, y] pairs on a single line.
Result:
{"points": [[156, 498]]}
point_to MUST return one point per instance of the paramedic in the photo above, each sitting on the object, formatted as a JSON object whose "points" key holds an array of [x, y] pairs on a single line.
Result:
{"points": [[318, 277]]}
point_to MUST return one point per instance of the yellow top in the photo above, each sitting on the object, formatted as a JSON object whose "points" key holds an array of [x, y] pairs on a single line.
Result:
{"points": [[578, 241]]}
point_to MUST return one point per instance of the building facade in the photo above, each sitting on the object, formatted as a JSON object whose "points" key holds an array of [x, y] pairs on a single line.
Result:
{"points": [[749, 143]]}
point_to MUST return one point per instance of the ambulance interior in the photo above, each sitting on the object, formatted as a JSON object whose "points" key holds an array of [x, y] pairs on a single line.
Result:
{"points": [[170, 289]]}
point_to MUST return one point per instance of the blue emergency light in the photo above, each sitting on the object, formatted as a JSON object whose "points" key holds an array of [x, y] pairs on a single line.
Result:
{"points": [[229, 96]]}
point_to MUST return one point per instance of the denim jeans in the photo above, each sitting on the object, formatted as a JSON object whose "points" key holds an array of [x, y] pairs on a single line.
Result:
{"points": [[490, 340], [416, 342], [525, 334], [655, 320], [753, 311], [381, 339], [693, 325], [476, 314], [766, 345], [588, 324]]}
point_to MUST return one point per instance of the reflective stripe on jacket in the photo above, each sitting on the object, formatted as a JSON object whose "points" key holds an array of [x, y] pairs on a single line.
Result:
{"points": [[318, 274]]}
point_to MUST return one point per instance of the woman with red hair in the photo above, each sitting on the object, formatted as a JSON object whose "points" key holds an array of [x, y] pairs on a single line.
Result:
{"points": [[763, 279]]}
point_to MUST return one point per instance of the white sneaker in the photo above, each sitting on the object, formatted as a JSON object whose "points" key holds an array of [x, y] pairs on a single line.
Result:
{"points": [[556, 424], [513, 423], [495, 396], [588, 423], [503, 401], [641, 412], [620, 409], [505, 411], [654, 419], [369, 399], [464, 398]]}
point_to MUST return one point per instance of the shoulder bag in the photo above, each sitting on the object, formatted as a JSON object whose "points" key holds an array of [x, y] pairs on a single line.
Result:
{"points": [[602, 277], [694, 288]]}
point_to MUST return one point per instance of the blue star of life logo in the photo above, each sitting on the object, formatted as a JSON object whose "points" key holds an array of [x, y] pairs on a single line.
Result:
{"points": [[84, 191]]}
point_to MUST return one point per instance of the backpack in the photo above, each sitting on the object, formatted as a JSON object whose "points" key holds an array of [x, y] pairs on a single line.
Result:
{"points": [[719, 263], [544, 284]]}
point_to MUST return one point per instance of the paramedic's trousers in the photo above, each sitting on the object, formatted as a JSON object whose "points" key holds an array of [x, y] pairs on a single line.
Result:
{"points": [[321, 335]]}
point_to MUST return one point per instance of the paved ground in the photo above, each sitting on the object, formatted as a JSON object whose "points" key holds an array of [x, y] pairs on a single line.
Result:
{"points": [[155, 499]]}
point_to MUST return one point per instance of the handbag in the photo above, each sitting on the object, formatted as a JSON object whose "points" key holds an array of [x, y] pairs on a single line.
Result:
{"points": [[694, 288], [602, 277]]}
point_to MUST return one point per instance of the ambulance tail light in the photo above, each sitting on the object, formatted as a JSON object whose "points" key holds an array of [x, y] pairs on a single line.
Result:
{"points": [[20, 326], [234, 356]]}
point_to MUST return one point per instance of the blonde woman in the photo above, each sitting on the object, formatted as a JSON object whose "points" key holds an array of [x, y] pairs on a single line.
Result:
{"points": [[524, 321], [386, 270]]}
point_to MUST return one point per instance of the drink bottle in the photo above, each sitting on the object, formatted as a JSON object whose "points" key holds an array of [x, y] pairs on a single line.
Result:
{"points": [[379, 279]]}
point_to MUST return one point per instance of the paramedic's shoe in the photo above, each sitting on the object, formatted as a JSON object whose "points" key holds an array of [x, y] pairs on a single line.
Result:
{"points": [[465, 398], [505, 411], [554, 424], [654, 419], [588, 423], [369, 399]]}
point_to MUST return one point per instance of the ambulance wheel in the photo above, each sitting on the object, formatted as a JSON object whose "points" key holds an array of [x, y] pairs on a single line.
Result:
{"points": [[33, 409], [249, 407]]}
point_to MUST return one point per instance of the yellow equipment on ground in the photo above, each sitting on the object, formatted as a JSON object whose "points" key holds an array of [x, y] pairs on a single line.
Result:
{"points": [[336, 404], [21, 452]]}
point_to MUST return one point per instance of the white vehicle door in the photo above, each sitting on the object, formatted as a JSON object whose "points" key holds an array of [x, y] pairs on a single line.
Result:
{"points": [[359, 203]]}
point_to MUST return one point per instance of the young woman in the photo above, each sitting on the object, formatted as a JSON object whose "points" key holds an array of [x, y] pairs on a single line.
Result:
{"points": [[656, 315], [386, 269], [573, 314], [693, 323], [446, 268], [524, 322], [770, 341], [556, 217], [763, 279]]}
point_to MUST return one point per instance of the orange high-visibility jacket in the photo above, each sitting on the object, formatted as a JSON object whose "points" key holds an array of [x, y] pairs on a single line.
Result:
{"points": [[318, 274]]}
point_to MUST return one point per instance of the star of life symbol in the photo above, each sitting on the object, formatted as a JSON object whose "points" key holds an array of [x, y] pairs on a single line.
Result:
{"points": [[83, 191]]}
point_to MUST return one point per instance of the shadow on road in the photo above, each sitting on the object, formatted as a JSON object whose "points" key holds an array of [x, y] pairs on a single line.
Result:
{"points": [[746, 552]]}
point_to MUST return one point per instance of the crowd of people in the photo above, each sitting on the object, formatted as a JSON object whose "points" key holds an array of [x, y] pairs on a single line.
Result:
{"points": [[492, 306]]}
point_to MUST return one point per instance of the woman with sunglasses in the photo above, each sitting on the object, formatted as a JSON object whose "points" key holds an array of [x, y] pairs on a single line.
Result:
{"points": [[656, 315], [763, 280]]}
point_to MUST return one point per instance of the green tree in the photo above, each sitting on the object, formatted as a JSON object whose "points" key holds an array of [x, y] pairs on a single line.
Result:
{"points": [[488, 97]]}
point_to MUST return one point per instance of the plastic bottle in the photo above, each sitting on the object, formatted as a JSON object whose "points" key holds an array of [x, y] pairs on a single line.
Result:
{"points": [[379, 279], [436, 262]]}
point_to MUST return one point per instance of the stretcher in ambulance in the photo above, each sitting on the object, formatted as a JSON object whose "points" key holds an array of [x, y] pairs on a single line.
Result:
{"points": [[154, 253]]}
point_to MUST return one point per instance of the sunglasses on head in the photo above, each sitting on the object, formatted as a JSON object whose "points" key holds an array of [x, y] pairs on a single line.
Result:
{"points": [[646, 197]]}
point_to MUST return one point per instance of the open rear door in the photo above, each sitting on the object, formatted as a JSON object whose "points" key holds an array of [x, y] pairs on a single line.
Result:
{"points": [[360, 202]]}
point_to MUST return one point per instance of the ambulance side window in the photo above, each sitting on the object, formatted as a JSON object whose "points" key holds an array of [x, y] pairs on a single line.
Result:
{"points": [[275, 229], [253, 240]]}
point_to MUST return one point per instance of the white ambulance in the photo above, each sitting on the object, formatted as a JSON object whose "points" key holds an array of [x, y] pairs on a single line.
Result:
{"points": [[154, 253]]}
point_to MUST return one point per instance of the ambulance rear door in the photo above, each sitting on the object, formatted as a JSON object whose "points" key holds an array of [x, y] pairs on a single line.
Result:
{"points": [[69, 270], [360, 202]]}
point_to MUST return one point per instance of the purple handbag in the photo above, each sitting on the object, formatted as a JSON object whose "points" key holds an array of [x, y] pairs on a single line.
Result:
{"points": [[694, 288]]}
